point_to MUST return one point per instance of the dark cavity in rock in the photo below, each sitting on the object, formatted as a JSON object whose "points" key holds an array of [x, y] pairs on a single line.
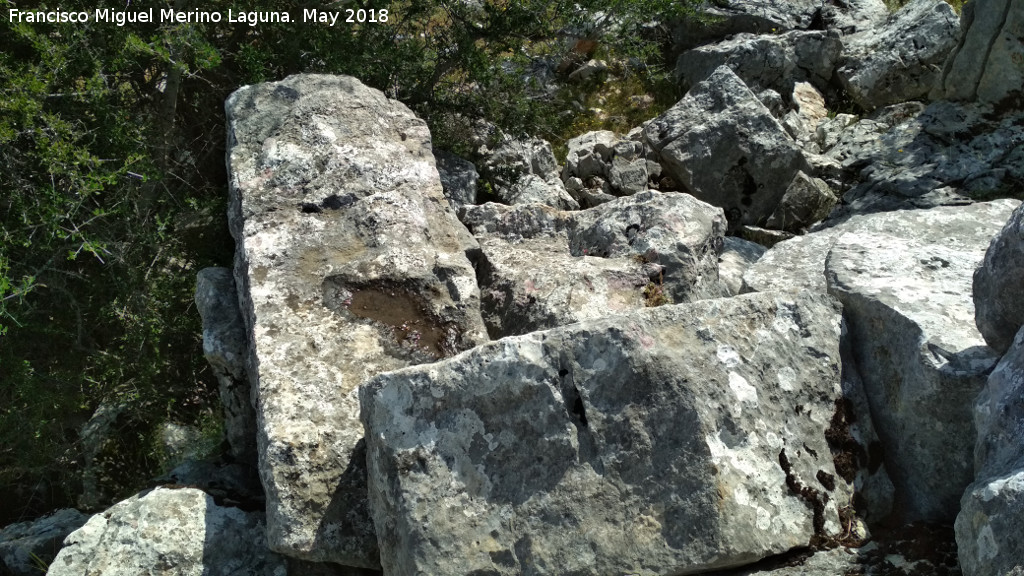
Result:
{"points": [[399, 310]]}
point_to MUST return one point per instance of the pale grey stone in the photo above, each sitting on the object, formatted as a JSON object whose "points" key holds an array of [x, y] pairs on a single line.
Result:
{"points": [[349, 262], [722, 145], [719, 19], [849, 16], [907, 299], [988, 532], [774, 62], [986, 65], [665, 441], [901, 60], [992, 509], [539, 268], [27, 547], [172, 532], [806, 201], [999, 309], [737, 256]]}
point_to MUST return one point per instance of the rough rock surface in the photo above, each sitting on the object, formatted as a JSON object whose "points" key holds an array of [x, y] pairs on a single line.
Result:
{"points": [[737, 256], [539, 268], [907, 299], [849, 16], [667, 441], [903, 59], [459, 178], [999, 416], [723, 146], [912, 156], [806, 201], [988, 63], [169, 532], [718, 20], [603, 160], [525, 172], [988, 528], [765, 61], [992, 510], [350, 262], [999, 310], [226, 348], [25, 544]]}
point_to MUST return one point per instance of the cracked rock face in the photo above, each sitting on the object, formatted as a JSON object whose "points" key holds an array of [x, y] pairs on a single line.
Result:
{"points": [[901, 60], [999, 311], [539, 268], [992, 509], [349, 263], [723, 146], [667, 441], [173, 532], [988, 63], [764, 61], [907, 299]]}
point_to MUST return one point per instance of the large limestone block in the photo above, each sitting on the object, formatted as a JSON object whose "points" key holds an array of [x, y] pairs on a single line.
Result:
{"points": [[998, 282], [25, 544], [901, 60], [722, 18], [669, 441], [799, 263], [723, 146], [349, 262], [999, 416], [763, 62], [988, 63], [172, 532], [992, 510], [988, 535], [908, 304], [539, 268]]}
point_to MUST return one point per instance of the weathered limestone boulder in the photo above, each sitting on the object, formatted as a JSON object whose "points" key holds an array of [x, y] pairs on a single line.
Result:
{"points": [[774, 62], [907, 300], [902, 60], [532, 189], [459, 178], [806, 201], [988, 531], [526, 172], [226, 348], [999, 416], [808, 111], [849, 16], [717, 20], [539, 268], [169, 532], [23, 546], [794, 264], [986, 65], [999, 310], [737, 256], [912, 156], [722, 145], [616, 165], [992, 509], [349, 262], [670, 441]]}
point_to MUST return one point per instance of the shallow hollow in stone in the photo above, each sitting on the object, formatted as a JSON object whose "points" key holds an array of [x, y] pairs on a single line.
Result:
{"points": [[414, 331]]}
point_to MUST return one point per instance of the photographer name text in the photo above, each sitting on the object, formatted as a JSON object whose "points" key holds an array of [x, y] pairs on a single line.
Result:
{"points": [[169, 15]]}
